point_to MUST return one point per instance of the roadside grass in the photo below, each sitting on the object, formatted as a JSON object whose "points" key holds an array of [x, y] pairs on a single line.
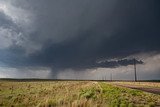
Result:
{"points": [[72, 94]]}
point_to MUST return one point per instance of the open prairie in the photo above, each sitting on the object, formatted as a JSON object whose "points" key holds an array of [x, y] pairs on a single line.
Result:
{"points": [[76, 94]]}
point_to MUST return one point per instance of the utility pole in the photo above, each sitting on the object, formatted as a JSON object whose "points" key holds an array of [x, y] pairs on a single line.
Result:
{"points": [[111, 76], [135, 71]]}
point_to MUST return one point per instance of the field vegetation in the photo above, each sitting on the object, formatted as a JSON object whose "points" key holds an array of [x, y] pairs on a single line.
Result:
{"points": [[72, 94]]}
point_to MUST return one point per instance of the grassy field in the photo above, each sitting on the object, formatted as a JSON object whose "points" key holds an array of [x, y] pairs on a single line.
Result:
{"points": [[72, 94]]}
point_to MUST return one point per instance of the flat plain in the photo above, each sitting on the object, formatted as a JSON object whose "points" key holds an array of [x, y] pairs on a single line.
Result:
{"points": [[76, 94]]}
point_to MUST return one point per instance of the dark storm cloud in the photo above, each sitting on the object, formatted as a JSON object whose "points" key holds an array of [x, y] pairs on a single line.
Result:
{"points": [[4, 20], [7, 22], [135, 30], [72, 55], [75, 34]]}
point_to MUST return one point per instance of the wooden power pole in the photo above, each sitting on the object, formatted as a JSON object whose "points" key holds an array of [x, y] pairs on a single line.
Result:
{"points": [[111, 76], [135, 71]]}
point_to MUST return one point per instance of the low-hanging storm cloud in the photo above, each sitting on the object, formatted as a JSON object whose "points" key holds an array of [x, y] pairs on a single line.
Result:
{"points": [[78, 36]]}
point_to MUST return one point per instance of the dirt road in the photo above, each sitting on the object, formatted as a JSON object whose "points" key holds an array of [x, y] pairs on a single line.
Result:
{"points": [[154, 90]]}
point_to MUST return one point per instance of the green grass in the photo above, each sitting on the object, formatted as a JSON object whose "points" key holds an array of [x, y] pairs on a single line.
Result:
{"points": [[72, 94]]}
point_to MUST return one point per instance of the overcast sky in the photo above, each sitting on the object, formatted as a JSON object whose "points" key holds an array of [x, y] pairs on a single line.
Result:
{"points": [[79, 39]]}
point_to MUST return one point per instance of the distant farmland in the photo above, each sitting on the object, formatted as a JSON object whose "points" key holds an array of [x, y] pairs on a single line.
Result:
{"points": [[75, 94]]}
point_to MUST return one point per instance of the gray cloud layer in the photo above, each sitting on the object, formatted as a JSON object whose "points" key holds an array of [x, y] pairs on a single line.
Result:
{"points": [[76, 34]]}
